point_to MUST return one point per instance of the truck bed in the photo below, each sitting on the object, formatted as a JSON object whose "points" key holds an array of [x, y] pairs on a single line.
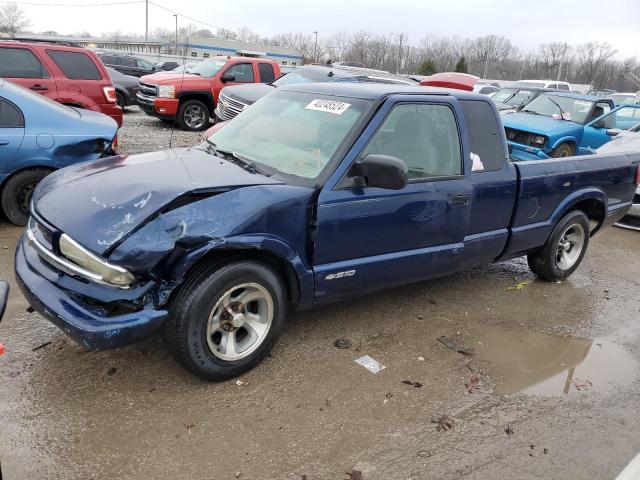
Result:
{"points": [[603, 184]]}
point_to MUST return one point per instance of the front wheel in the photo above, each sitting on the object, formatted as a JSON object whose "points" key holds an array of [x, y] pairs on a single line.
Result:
{"points": [[562, 150], [565, 249], [193, 115], [224, 320], [17, 193]]}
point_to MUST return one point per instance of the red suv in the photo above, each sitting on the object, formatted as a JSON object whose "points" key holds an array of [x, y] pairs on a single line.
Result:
{"points": [[190, 98], [73, 76]]}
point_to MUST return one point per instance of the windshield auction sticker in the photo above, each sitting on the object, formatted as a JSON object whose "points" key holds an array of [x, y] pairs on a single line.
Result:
{"points": [[328, 106]]}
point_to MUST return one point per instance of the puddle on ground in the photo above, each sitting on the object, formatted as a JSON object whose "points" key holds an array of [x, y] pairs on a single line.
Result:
{"points": [[548, 365]]}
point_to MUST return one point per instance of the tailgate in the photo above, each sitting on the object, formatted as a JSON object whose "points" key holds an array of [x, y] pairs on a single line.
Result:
{"points": [[548, 188]]}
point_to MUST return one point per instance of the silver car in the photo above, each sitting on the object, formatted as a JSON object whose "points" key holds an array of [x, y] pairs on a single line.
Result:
{"points": [[626, 141]]}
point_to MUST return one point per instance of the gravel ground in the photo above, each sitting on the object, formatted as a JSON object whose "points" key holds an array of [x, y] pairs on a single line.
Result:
{"points": [[142, 133], [550, 391]]}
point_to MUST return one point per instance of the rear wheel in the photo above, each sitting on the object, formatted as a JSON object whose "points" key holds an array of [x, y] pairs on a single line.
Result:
{"points": [[563, 150], [565, 249], [120, 100], [225, 319], [193, 115], [17, 193]]}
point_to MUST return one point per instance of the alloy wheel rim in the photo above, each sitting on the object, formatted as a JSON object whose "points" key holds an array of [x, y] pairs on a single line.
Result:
{"points": [[194, 116], [240, 321], [570, 246]]}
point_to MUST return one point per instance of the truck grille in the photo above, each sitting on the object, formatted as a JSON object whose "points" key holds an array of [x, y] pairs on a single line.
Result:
{"points": [[148, 90], [227, 108]]}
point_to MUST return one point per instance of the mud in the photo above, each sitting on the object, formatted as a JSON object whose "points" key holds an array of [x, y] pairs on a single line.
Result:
{"points": [[311, 410]]}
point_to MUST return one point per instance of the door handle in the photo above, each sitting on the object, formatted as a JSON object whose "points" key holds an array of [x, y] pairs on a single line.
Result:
{"points": [[39, 87], [4, 142], [461, 199]]}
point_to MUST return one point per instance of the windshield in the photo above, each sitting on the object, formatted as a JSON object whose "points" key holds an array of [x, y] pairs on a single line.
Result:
{"points": [[302, 76], [207, 68], [291, 132], [574, 109], [623, 99]]}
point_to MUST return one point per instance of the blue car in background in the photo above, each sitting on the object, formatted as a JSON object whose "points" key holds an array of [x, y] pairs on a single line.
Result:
{"points": [[37, 136], [558, 125]]}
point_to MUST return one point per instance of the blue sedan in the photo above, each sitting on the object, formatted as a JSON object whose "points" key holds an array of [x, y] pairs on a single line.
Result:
{"points": [[37, 136]]}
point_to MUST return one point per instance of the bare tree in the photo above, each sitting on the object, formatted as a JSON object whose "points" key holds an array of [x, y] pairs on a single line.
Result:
{"points": [[226, 33], [12, 19]]}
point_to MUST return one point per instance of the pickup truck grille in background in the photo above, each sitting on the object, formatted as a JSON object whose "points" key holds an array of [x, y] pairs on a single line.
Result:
{"points": [[228, 108], [148, 90], [518, 136]]}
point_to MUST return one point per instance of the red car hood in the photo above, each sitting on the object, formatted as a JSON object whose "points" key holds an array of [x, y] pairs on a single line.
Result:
{"points": [[188, 81]]}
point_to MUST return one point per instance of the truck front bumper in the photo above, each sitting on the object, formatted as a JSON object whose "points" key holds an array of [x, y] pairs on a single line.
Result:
{"points": [[165, 108], [84, 319], [522, 152]]}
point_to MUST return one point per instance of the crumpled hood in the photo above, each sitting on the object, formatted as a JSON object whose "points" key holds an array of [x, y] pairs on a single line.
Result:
{"points": [[99, 203], [541, 124]]}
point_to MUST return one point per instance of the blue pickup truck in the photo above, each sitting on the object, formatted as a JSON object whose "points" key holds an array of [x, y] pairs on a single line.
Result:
{"points": [[560, 124], [314, 194]]}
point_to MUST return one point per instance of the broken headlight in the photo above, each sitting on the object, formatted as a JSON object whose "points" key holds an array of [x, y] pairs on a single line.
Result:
{"points": [[101, 270]]}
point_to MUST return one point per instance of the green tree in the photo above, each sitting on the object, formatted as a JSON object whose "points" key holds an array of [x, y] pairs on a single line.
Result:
{"points": [[462, 66], [428, 67]]}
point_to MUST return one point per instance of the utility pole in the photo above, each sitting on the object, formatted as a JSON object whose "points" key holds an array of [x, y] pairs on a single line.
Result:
{"points": [[315, 48], [176, 16], [486, 65], [564, 51], [146, 27], [399, 54]]}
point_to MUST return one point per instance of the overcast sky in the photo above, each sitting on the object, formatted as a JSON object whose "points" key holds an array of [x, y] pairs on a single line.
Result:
{"points": [[527, 24]]}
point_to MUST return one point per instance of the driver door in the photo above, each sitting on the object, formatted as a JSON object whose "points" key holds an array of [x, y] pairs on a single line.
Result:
{"points": [[595, 132], [370, 238]]}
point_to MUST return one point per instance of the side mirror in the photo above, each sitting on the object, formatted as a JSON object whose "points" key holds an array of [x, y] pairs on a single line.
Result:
{"points": [[613, 132], [381, 171], [228, 77], [598, 123]]}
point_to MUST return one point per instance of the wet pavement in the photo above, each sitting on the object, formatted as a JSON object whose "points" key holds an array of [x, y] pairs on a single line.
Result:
{"points": [[551, 389]]}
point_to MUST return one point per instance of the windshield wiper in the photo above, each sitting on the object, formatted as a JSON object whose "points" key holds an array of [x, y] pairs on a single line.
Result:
{"points": [[524, 110], [237, 159], [562, 112]]}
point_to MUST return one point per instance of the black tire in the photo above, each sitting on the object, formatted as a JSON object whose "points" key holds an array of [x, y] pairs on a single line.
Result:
{"points": [[563, 150], [120, 100], [17, 193], [185, 331], [187, 113], [545, 263]]}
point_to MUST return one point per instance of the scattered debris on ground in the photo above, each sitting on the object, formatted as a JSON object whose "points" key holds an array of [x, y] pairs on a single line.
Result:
{"points": [[240, 383], [508, 431], [518, 286], [420, 358], [354, 475], [443, 422], [446, 341], [370, 364], [342, 343], [581, 384], [112, 371], [413, 384], [45, 344], [473, 385], [424, 453]]}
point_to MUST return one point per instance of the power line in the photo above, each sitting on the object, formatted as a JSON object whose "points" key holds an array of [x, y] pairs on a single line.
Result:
{"points": [[104, 4], [184, 16]]}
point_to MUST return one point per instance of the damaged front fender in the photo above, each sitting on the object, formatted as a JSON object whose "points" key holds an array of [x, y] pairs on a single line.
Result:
{"points": [[256, 218]]}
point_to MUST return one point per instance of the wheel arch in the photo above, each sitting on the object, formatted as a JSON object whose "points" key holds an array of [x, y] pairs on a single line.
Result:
{"points": [[32, 166], [203, 96], [592, 201], [573, 141]]}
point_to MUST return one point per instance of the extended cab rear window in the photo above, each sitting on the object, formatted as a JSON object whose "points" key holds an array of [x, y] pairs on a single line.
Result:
{"points": [[484, 134], [75, 65]]}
